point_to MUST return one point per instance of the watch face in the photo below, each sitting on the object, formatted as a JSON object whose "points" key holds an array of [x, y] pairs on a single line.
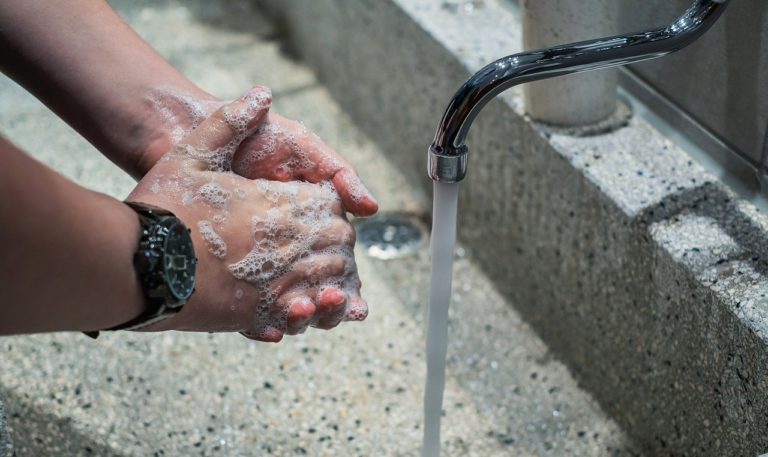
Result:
{"points": [[179, 262]]}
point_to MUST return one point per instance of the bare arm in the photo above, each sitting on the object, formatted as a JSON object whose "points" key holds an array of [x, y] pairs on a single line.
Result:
{"points": [[86, 64], [67, 252]]}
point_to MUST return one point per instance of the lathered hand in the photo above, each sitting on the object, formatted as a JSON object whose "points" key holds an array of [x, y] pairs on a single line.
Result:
{"points": [[283, 150], [274, 257], [277, 149]]}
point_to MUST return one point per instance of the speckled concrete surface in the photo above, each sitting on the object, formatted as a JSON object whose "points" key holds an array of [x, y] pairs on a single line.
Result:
{"points": [[583, 235], [6, 445], [354, 391], [513, 378]]}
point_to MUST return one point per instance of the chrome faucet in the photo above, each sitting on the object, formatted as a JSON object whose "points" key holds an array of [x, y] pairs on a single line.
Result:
{"points": [[448, 153]]}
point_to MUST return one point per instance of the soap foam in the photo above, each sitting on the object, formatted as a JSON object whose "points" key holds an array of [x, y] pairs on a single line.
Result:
{"points": [[272, 139], [277, 245], [215, 243], [214, 194], [181, 111], [239, 119]]}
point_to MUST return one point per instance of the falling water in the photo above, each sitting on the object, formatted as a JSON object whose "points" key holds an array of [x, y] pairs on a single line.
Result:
{"points": [[443, 240]]}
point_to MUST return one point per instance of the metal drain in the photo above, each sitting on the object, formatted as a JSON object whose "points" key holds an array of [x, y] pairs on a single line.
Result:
{"points": [[390, 235]]}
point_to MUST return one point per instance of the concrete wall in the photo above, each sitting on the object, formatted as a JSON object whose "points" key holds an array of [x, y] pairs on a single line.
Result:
{"points": [[722, 81], [639, 269]]}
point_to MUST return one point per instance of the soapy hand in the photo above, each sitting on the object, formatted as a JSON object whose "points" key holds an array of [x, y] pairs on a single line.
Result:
{"points": [[284, 150], [277, 149], [274, 257]]}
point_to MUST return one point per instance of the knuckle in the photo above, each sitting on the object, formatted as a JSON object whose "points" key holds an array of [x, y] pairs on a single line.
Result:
{"points": [[349, 235], [339, 265]]}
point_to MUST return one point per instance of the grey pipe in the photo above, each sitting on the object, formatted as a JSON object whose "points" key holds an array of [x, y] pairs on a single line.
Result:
{"points": [[574, 100]]}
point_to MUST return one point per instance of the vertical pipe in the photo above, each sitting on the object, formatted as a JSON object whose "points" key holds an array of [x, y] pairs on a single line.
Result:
{"points": [[572, 100]]}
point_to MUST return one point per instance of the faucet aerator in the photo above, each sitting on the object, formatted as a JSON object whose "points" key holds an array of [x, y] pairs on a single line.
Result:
{"points": [[447, 166]]}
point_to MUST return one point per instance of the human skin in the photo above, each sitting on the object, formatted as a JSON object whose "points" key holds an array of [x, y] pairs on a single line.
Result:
{"points": [[86, 64], [282, 255], [59, 273], [89, 67]]}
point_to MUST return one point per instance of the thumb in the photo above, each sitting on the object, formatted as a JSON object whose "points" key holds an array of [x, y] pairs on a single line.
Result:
{"points": [[357, 199], [215, 140]]}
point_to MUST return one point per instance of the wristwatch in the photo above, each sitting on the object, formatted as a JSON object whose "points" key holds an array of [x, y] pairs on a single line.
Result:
{"points": [[165, 266]]}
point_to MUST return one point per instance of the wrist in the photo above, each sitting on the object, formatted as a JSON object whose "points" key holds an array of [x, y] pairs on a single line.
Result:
{"points": [[126, 300], [168, 114]]}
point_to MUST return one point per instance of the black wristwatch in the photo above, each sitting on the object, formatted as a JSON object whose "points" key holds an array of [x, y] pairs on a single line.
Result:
{"points": [[165, 266]]}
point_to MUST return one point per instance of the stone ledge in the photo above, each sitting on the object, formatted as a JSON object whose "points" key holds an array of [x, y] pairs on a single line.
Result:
{"points": [[639, 268]]}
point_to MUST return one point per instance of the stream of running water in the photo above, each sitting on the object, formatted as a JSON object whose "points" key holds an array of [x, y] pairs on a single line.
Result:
{"points": [[443, 240]]}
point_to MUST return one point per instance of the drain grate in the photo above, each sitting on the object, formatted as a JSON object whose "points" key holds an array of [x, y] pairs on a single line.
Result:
{"points": [[390, 235]]}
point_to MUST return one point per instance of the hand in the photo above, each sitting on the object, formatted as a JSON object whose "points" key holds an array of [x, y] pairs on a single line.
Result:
{"points": [[279, 149], [274, 257], [284, 150]]}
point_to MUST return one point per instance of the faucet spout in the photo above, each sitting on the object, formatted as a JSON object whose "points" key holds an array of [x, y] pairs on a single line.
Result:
{"points": [[448, 152]]}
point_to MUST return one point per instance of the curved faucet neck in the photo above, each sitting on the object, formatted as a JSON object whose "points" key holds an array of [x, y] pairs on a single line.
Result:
{"points": [[447, 161]]}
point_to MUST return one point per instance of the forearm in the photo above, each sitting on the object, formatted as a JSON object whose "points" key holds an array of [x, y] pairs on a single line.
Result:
{"points": [[85, 63], [67, 252]]}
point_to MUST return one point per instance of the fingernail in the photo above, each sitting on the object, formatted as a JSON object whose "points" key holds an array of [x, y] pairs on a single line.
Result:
{"points": [[332, 297], [258, 97], [370, 202], [271, 334], [301, 310]]}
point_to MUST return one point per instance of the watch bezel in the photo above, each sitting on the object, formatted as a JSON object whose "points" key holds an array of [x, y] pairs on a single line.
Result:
{"points": [[183, 235]]}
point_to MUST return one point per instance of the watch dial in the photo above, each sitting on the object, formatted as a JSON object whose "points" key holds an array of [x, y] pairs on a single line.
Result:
{"points": [[179, 262]]}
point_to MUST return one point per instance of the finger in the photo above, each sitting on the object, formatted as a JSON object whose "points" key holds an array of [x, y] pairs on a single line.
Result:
{"points": [[338, 233], [312, 271], [330, 299], [257, 156], [355, 196], [279, 150], [300, 314], [331, 307], [231, 120], [270, 155], [357, 309], [268, 334], [227, 126]]}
